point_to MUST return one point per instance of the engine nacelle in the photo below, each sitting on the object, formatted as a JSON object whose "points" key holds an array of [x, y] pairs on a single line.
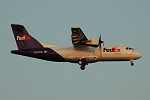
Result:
{"points": [[91, 42]]}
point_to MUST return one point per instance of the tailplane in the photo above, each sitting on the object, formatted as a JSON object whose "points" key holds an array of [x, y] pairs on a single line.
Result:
{"points": [[23, 39]]}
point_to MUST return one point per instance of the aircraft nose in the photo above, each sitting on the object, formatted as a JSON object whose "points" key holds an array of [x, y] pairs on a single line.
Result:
{"points": [[139, 55]]}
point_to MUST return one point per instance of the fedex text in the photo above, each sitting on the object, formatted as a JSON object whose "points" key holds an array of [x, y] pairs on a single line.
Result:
{"points": [[25, 37], [111, 50]]}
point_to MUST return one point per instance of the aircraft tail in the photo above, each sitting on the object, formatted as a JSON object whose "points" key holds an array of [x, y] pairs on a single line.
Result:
{"points": [[23, 39]]}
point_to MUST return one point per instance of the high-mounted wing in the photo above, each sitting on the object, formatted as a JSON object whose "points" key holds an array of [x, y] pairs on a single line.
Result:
{"points": [[77, 36]]}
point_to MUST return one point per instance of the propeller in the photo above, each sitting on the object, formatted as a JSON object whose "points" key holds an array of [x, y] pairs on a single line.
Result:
{"points": [[100, 41]]}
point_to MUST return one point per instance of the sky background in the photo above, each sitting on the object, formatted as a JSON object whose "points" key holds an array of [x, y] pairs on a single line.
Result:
{"points": [[124, 22]]}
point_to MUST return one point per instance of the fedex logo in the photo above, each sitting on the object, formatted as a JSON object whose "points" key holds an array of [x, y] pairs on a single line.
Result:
{"points": [[25, 37], [111, 50]]}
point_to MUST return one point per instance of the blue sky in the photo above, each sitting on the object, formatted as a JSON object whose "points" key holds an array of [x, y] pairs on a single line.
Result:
{"points": [[124, 22]]}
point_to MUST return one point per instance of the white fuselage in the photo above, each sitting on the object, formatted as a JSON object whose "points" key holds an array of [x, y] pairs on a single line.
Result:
{"points": [[94, 54]]}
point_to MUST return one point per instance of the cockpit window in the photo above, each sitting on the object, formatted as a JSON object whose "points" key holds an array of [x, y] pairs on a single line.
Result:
{"points": [[131, 49], [128, 48]]}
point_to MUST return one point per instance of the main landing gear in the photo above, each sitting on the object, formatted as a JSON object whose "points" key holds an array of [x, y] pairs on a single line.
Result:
{"points": [[82, 67], [132, 62], [83, 62]]}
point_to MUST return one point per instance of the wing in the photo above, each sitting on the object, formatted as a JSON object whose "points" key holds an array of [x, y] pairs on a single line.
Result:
{"points": [[77, 36]]}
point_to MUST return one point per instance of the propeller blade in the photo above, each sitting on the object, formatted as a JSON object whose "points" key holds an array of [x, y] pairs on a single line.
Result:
{"points": [[100, 41]]}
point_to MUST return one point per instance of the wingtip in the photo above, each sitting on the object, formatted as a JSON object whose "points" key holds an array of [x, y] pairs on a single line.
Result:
{"points": [[75, 27], [14, 24]]}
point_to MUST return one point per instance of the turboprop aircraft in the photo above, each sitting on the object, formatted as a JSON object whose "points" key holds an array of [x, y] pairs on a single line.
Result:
{"points": [[83, 51]]}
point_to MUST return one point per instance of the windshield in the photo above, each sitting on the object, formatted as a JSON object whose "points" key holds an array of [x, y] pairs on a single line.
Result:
{"points": [[129, 48]]}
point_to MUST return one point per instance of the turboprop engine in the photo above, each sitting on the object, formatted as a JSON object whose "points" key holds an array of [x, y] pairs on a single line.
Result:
{"points": [[90, 42]]}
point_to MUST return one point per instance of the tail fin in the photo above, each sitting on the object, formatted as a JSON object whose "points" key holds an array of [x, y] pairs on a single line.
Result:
{"points": [[23, 39]]}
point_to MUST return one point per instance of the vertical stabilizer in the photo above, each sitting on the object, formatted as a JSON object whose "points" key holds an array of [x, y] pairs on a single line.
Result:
{"points": [[23, 39]]}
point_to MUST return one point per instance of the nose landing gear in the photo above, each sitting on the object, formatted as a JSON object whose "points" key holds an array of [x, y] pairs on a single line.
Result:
{"points": [[132, 62]]}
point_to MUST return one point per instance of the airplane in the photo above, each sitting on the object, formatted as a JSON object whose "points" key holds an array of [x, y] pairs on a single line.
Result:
{"points": [[83, 51]]}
